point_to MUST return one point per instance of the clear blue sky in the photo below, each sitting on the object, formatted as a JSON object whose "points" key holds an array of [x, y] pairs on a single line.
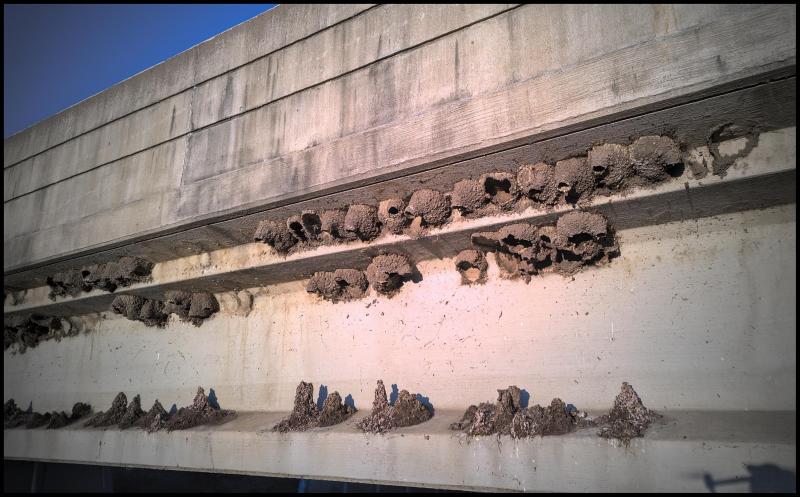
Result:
{"points": [[57, 55]]}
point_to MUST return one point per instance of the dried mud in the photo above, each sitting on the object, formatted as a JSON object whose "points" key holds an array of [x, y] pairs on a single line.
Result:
{"points": [[391, 214], [201, 412], [628, 418], [155, 419], [432, 207], [339, 286], [132, 414], [654, 156], [537, 182], [26, 331], [574, 180], [387, 273], [362, 222], [193, 307], [112, 416], [611, 165], [578, 239], [500, 188], [305, 413], [107, 276], [407, 410], [508, 417], [472, 266], [276, 235], [468, 196]]}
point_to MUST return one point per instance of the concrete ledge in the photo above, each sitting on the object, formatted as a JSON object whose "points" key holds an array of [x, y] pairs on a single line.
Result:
{"points": [[681, 454]]}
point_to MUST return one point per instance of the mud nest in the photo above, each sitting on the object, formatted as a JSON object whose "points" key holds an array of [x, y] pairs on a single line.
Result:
{"points": [[107, 276], [26, 331], [387, 273], [339, 285], [472, 265]]}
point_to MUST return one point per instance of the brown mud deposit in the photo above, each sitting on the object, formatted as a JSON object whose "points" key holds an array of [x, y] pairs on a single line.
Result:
{"points": [[654, 157], [508, 417], [13, 416], [573, 179], [472, 265], [150, 312], [332, 226], [362, 222], [340, 285], [628, 418], [407, 410], [192, 307], [112, 416], [578, 239], [500, 188], [276, 235], [306, 227], [201, 412], [106, 276], [61, 419], [29, 330], [725, 132], [468, 196], [153, 420], [611, 165], [132, 414], [430, 206], [391, 214], [537, 181], [387, 273], [305, 413]]}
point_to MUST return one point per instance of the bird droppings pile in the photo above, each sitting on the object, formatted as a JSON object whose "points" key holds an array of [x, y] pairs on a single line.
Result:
{"points": [[29, 330], [340, 285], [305, 413], [407, 410], [106, 276], [132, 414], [192, 307], [111, 417], [508, 417], [628, 418], [387, 273], [155, 419], [201, 412], [472, 265]]}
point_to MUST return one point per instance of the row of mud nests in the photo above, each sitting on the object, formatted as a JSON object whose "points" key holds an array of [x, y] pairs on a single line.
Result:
{"points": [[26, 331], [627, 419], [123, 415], [188, 306], [576, 240], [606, 169], [386, 274], [107, 276]]}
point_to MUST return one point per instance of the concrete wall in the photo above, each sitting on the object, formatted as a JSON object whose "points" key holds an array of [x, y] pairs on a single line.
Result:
{"points": [[310, 107]]}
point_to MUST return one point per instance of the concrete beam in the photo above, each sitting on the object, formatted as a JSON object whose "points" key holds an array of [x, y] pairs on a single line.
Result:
{"points": [[668, 68], [685, 454]]}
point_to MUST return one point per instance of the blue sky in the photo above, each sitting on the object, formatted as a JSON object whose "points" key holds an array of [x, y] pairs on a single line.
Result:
{"points": [[57, 55]]}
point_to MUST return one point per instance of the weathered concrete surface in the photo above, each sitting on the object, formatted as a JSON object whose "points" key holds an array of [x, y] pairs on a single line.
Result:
{"points": [[235, 165], [696, 314], [239, 45], [678, 456]]}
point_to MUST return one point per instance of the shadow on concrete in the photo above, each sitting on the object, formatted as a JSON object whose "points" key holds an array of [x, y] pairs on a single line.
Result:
{"points": [[764, 478]]}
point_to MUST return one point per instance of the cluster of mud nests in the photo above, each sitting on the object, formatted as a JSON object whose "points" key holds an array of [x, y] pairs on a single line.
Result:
{"points": [[407, 410], [385, 274], [28, 330], [628, 419], [306, 414], [577, 239], [192, 307], [14, 417], [606, 169], [107, 276], [127, 415]]}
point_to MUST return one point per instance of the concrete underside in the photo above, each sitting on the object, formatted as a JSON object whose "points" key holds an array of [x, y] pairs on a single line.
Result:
{"points": [[180, 163]]}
